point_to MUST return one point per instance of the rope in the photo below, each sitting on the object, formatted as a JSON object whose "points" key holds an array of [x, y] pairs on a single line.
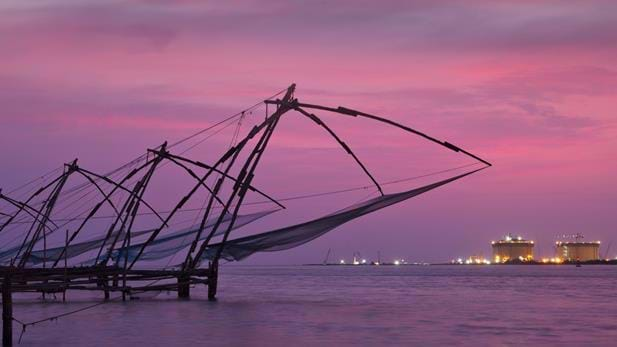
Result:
{"points": [[34, 180], [24, 325], [300, 197], [183, 140], [234, 140], [53, 318], [228, 118]]}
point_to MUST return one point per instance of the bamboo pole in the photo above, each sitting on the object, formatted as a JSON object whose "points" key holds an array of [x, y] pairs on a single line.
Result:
{"points": [[7, 312]]}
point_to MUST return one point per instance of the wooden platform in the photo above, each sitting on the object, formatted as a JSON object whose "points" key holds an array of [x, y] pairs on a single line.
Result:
{"points": [[106, 279]]}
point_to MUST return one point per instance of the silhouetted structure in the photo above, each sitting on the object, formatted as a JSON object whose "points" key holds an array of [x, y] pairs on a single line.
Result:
{"points": [[108, 261]]}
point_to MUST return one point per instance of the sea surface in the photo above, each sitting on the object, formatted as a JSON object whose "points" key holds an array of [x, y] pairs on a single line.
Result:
{"points": [[351, 305]]}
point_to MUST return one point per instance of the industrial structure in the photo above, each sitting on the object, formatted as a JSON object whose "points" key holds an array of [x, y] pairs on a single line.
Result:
{"points": [[577, 250], [512, 248], [515, 249]]}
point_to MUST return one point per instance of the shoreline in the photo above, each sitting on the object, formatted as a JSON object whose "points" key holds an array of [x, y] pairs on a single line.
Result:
{"points": [[523, 263]]}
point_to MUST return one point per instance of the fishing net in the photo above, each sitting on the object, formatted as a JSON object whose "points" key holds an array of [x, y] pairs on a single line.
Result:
{"points": [[166, 246], [295, 235], [157, 249]]}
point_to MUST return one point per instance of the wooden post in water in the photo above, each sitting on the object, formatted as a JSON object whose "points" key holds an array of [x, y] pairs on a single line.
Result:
{"points": [[106, 286], [7, 312], [66, 252], [213, 281], [184, 289]]}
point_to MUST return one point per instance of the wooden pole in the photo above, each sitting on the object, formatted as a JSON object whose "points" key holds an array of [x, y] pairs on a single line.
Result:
{"points": [[7, 312], [213, 281], [106, 287], [66, 279], [184, 287]]}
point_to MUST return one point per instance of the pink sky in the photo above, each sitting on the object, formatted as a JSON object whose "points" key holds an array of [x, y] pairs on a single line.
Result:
{"points": [[529, 85]]}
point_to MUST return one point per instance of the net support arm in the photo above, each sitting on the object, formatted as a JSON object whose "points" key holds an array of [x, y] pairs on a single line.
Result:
{"points": [[21, 205], [127, 206], [245, 177], [121, 187], [48, 206], [106, 198], [25, 204], [194, 175], [355, 113], [317, 120], [178, 206], [208, 167]]}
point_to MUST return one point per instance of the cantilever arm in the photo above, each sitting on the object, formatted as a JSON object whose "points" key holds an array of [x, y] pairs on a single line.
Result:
{"points": [[316, 119], [355, 113], [23, 206], [105, 196], [91, 214], [208, 167], [194, 175], [120, 186]]}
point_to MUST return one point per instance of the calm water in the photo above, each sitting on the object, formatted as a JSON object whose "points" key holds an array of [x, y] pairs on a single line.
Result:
{"points": [[315, 305]]}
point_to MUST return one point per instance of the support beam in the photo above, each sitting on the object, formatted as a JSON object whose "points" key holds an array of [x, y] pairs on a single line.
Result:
{"points": [[245, 176], [319, 122], [46, 210]]}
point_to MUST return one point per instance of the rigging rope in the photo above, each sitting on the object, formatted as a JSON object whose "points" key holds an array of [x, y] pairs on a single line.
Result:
{"points": [[305, 196], [179, 142], [24, 325]]}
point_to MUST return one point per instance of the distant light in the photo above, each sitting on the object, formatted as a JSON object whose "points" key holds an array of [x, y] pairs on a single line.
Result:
{"points": [[342, 261], [519, 238], [556, 260], [363, 261], [396, 262]]}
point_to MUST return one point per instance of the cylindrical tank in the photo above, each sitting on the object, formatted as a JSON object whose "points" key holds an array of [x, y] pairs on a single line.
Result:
{"points": [[512, 248], [578, 251]]}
